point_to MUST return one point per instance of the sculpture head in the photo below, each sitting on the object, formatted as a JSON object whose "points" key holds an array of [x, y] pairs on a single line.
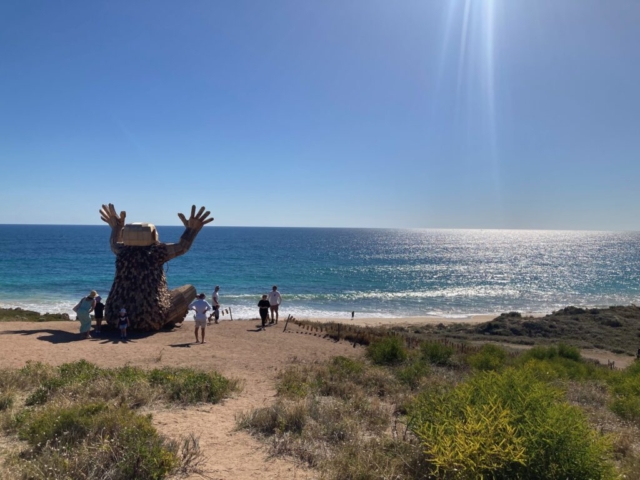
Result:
{"points": [[139, 234]]}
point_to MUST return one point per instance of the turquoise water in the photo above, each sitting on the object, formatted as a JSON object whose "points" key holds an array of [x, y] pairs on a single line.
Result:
{"points": [[330, 272]]}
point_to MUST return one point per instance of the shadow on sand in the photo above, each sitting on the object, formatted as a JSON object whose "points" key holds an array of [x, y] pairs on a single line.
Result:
{"points": [[54, 336], [62, 336]]}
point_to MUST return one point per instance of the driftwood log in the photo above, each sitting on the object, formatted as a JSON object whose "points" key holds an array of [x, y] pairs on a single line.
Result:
{"points": [[140, 284]]}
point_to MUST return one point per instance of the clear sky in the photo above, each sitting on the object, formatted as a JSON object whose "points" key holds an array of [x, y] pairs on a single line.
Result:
{"points": [[359, 113]]}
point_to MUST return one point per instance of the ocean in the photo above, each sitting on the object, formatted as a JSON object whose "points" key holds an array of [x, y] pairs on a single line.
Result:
{"points": [[330, 272]]}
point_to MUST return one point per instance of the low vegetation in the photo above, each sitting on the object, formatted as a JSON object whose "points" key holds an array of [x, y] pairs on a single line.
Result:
{"points": [[616, 329], [79, 420], [422, 410], [20, 315]]}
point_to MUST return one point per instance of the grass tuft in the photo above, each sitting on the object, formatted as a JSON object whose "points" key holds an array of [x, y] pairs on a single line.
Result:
{"points": [[387, 351], [94, 441]]}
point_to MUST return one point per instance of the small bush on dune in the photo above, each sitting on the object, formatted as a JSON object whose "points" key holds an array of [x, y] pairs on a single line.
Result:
{"points": [[341, 377], [412, 373], [507, 425], [26, 378], [282, 417], [376, 459], [345, 367], [317, 428], [569, 352], [93, 441], [294, 382], [625, 389], [490, 357], [436, 353], [6, 401], [387, 351], [627, 407], [130, 385], [187, 386], [549, 353]]}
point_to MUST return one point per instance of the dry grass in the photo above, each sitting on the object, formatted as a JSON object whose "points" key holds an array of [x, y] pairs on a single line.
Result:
{"points": [[352, 419], [81, 421]]}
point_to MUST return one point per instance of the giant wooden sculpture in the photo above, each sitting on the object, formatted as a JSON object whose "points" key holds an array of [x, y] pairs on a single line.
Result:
{"points": [[140, 284]]}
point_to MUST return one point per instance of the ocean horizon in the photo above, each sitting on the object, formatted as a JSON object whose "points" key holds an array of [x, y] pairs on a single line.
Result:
{"points": [[330, 272]]}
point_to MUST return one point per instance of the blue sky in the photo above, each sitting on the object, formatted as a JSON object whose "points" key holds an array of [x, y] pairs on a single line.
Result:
{"points": [[364, 113]]}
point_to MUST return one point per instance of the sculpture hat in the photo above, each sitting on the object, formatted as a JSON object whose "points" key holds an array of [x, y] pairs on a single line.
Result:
{"points": [[93, 294]]}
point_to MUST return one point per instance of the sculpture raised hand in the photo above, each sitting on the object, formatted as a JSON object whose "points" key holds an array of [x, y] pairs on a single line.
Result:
{"points": [[140, 284], [108, 214]]}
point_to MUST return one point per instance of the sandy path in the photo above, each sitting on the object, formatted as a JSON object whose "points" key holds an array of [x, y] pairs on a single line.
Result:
{"points": [[234, 349]]}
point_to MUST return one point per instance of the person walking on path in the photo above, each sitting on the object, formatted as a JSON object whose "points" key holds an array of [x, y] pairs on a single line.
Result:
{"points": [[98, 311], [274, 302], [123, 323], [264, 305], [215, 304], [84, 309], [201, 307]]}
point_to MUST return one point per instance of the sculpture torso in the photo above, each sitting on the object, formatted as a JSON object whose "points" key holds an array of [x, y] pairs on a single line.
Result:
{"points": [[140, 286]]}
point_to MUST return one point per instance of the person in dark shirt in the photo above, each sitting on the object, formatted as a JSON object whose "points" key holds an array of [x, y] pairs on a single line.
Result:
{"points": [[123, 323], [98, 312], [264, 305]]}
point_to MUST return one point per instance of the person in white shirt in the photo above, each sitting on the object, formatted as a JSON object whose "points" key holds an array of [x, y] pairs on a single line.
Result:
{"points": [[216, 305], [274, 300], [201, 307]]}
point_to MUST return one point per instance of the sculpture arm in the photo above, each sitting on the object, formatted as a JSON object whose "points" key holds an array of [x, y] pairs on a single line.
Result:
{"points": [[116, 222], [193, 225]]}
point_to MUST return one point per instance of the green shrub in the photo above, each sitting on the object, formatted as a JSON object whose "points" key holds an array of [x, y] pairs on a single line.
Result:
{"points": [[490, 357], [75, 373], [387, 351], [185, 385], [549, 353], [293, 382], [94, 441], [625, 390], [375, 459], [26, 378], [6, 401], [561, 362], [345, 367], [282, 417], [563, 368], [627, 407], [436, 353], [412, 373], [317, 428], [130, 385], [569, 352], [507, 425]]}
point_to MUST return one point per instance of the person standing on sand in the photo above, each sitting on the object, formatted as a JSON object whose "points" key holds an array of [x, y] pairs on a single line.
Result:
{"points": [[123, 323], [98, 311], [215, 305], [84, 309], [274, 302], [264, 305], [201, 307]]}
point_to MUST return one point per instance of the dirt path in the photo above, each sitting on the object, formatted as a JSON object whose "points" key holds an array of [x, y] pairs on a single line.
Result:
{"points": [[235, 349]]}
